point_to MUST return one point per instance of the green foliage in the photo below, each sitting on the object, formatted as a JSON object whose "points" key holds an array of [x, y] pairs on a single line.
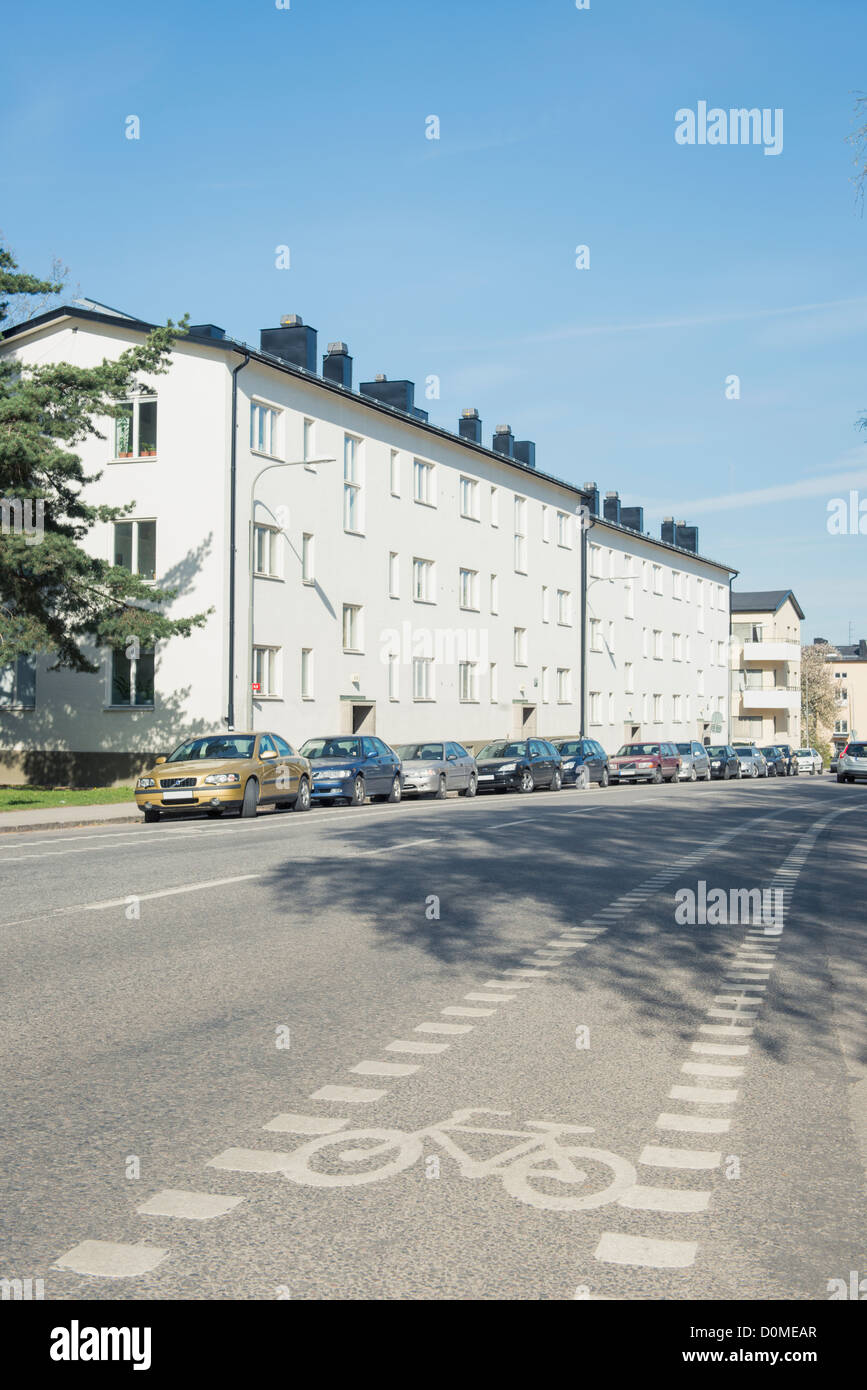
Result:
{"points": [[54, 596]]}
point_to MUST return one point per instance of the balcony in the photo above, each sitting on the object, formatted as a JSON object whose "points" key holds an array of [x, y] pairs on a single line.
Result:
{"points": [[772, 651], [774, 698]]}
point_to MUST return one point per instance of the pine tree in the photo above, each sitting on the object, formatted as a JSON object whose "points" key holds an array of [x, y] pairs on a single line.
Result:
{"points": [[55, 597]]}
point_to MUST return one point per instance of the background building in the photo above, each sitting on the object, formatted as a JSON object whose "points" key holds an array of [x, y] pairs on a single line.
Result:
{"points": [[848, 666], [766, 667]]}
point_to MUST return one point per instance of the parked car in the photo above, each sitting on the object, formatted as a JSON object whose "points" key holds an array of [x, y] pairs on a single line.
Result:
{"points": [[220, 772], [852, 764], [519, 765], [694, 762], [435, 769], [584, 760], [791, 759], [776, 761], [645, 762], [724, 761], [351, 767], [809, 760], [834, 760], [751, 760]]}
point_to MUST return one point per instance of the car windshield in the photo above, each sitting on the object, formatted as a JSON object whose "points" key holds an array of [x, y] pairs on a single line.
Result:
{"points": [[772, 752], [803, 753], [744, 752], [418, 752], [570, 747], [683, 747], [332, 748], [857, 750], [504, 750], [631, 749], [218, 746], [716, 752]]}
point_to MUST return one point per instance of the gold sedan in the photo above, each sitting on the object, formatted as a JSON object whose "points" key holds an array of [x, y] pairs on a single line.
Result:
{"points": [[226, 771]]}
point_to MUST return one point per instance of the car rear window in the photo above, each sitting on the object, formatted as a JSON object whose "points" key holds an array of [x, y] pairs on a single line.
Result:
{"points": [[857, 750]]}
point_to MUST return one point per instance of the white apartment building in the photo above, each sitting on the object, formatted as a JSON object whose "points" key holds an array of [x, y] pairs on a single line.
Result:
{"points": [[413, 582], [766, 667]]}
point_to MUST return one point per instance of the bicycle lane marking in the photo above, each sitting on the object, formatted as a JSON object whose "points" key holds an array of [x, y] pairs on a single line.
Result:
{"points": [[628, 1249]]}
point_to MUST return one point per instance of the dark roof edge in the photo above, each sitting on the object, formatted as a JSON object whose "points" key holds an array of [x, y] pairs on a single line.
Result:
{"points": [[665, 545], [779, 594]]}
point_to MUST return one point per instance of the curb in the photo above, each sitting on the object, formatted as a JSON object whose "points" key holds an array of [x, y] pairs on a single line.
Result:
{"points": [[68, 824]]}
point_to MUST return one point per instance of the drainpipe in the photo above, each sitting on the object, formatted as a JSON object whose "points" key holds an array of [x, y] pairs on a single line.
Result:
{"points": [[233, 472], [585, 530], [732, 578]]}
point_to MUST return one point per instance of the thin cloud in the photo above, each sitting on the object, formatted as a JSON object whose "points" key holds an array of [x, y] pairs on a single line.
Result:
{"points": [[829, 484]]}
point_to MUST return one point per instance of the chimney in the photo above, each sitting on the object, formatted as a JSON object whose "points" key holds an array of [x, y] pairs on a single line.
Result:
{"points": [[470, 426], [525, 452], [611, 507], [398, 394], [593, 498], [504, 441], [633, 517], [337, 365], [667, 532], [292, 341], [206, 330], [686, 537]]}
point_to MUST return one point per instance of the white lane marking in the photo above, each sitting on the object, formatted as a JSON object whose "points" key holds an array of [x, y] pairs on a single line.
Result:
{"points": [[385, 1068], [444, 1028], [405, 844], [738, 1012], [711, 1069], [169, 892], [742, 998], [506, 984], [638, 1250], [458, 1011], [353, 1095], [641, 1198], [106, 1259], [189, 1206], [725, 1028], [489, 998], [423, 1049], [250, 1161], [530, 974], [655, 1156], [718, 1049], [744, 982], [693, 1124], [289, 1123]]}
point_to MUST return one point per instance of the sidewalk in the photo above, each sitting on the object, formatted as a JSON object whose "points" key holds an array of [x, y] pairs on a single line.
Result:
{"points": [[55, 817]]}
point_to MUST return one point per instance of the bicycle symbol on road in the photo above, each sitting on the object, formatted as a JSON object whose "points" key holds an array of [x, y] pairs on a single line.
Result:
{"points": [[544, 1159]]}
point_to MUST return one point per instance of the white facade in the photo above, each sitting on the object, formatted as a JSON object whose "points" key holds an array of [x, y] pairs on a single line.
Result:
{"points": [[417, 585]]}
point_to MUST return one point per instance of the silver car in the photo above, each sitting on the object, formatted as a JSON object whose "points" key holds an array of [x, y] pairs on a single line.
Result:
{"points": [[852, 763], [435, 769], [694, 762], [751, 759]]}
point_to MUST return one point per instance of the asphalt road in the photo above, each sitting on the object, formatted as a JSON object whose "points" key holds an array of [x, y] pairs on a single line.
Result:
{"points": [[197, 1009]]}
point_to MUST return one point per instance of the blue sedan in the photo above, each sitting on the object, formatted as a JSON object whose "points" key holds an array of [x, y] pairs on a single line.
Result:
{"points": [[349, 768]]}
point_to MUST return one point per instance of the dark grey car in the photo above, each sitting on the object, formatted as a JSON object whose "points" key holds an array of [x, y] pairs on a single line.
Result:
{"points": [[694, 762], [435, 769]]}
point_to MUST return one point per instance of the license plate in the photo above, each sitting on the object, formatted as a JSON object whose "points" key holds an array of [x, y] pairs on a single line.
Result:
{"points": [[486, 776], [178, 796]]}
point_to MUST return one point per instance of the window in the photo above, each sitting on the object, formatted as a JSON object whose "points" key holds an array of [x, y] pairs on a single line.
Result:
{"points": [[699, 677], [423, 482], [628, 678], [645, 576], [645, 642], [564, 531], [495, 506], [263, 429], [546, 693], [18, 684], [686, 588], [657, 579], [564, 608], [675, 709], [306, 673], [265, 551], [132, 678], [135, 428], [686, 708], [468, 682], [609, 559], [308, 442], [265, 672], [610, 635], [546, 524], [422, 678], [307, 564], [520, 634], [469, 589], [135, 546], [423, 581], [495, 597], [645, 706], [393, 574], [596, 561], [595, 635], [595, 707], [564, 685], [699, 598], [710, 596], [394, 473], [521, 535], [841, 726], [352, 627], [612, 707], [657, 709], [352, 518], [469, 498], [493, 682], [629, 588], [686, 647], [676, 584], [676, 647], [657, 644], [546, 605], [721, 598], [393, 676], [721, 653]]}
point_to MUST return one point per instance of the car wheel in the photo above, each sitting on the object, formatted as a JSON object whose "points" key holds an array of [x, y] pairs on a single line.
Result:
{"points": [[472, 786], [152, 813], [604, 779], [556, 781], [656, 779], [251, 798], [396, 790], [440, 793], [692, 774], [357, 798], [302, 800], [527, 783], [754, 771]]}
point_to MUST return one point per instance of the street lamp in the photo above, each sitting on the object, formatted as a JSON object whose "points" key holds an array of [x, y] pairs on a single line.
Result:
{"points": [[290, 463]]}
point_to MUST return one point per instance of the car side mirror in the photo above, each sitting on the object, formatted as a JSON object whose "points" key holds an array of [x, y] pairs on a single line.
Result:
{"points": [[160, 759], [268, 753], [453, 757]]}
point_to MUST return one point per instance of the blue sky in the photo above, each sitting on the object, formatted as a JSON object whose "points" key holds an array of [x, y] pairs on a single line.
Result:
{"points": [[306, 127]]}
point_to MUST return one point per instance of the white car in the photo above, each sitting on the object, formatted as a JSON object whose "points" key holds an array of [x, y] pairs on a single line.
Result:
{"points": [[852, 763], [809, 761]]}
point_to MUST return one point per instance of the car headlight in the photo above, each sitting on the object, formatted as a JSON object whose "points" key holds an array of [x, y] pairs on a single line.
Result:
{"points": [[222, 778], [145, 782], [508, 767], [573, 763], [644, 764], [715, 764], [338, 772]]}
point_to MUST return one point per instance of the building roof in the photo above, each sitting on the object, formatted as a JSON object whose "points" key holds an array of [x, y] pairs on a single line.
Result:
{"points": [[205, 335], [766, 601]]}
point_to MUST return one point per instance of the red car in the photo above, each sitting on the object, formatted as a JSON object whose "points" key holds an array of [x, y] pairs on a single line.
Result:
{"points": [[645, 762]]}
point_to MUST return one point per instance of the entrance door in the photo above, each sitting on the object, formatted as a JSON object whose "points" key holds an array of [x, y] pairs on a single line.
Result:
{"points": [[363, 719], [524, 720]]}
